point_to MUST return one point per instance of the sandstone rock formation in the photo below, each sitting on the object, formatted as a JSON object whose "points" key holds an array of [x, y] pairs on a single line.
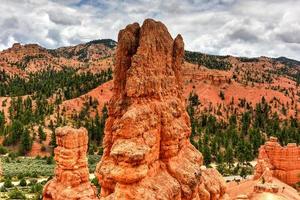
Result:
{"points": [[147, 153], [260, 187], [213, 77], [71, 181], [284, 162]]}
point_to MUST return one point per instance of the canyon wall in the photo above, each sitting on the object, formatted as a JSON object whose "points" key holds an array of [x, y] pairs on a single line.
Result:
{"points": [[71, 181], [147, 152], [284, 162]]}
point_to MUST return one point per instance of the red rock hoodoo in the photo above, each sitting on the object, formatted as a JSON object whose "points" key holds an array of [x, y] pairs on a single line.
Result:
{"points": [[283, 162], [71, 181], [147, 153]]}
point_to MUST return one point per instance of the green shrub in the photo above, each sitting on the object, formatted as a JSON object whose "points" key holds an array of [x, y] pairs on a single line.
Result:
{"points": [[3, 189], [93, 160], [91, 150], [8, 183], [16, 194], [50, 160], [13, 155], [7, 160], [23, 182], [34, 174], [20, 176], [37, 187], [100, 152], [42, 135], [95, 182], [3, 150], [7, 177]]}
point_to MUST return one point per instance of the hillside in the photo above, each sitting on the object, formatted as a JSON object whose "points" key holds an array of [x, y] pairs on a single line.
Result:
{"points": [[246, 98], [23, 60]]}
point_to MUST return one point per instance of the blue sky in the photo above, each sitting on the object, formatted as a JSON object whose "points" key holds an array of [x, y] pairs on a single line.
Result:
{"points": [[236, 27]]}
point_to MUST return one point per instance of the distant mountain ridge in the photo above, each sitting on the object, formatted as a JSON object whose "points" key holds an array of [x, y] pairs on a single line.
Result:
{"points": [[21, 60], [86, 51], [288, 61], [102, 48]]}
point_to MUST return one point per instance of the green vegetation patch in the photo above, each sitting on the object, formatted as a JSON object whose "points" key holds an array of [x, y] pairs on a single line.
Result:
{"points": [[209, 61], [26, 167], [48, 82], [245, 59], [21, 167]]}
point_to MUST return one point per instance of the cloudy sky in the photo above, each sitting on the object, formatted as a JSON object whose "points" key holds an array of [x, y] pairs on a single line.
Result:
{"points": [[237, 27]]}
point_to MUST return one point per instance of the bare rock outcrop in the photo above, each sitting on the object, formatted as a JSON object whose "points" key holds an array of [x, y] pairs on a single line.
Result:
{"points": [[283, 162], [71, 181], [271, 188], [147, 152]]}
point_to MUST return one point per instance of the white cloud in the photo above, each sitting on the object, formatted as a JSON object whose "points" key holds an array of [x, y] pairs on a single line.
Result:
{"points": [[238, 27]]}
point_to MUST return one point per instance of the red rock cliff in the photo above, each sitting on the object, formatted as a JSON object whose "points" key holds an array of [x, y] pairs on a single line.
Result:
{"points": [[284, 162], [71, 181], [147, 153]]}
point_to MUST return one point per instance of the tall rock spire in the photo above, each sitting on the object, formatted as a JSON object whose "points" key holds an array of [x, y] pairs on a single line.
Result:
{"points": [[71, 181], [147, 152]]}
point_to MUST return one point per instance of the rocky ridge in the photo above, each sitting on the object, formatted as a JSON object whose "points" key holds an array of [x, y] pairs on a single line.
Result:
{"points": [[23, 60]]}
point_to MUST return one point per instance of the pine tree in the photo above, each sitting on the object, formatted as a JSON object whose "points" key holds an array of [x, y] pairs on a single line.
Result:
{"points": [[42, 134], [53, 136], [229, 155], [17, 130], [206, 155], [98, 128], [193, 99], [246, 120], [26, 142], [2, 122], [219, 158], [222, 95]]}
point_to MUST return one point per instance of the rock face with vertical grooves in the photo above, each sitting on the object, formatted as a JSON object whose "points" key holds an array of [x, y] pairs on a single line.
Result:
{"points": [[283, 162], [147, 152], [71, 181]]}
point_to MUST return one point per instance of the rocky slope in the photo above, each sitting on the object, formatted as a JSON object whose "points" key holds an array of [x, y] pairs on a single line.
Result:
{"points": [[147, 153], [22, 60], [239, 79]]}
